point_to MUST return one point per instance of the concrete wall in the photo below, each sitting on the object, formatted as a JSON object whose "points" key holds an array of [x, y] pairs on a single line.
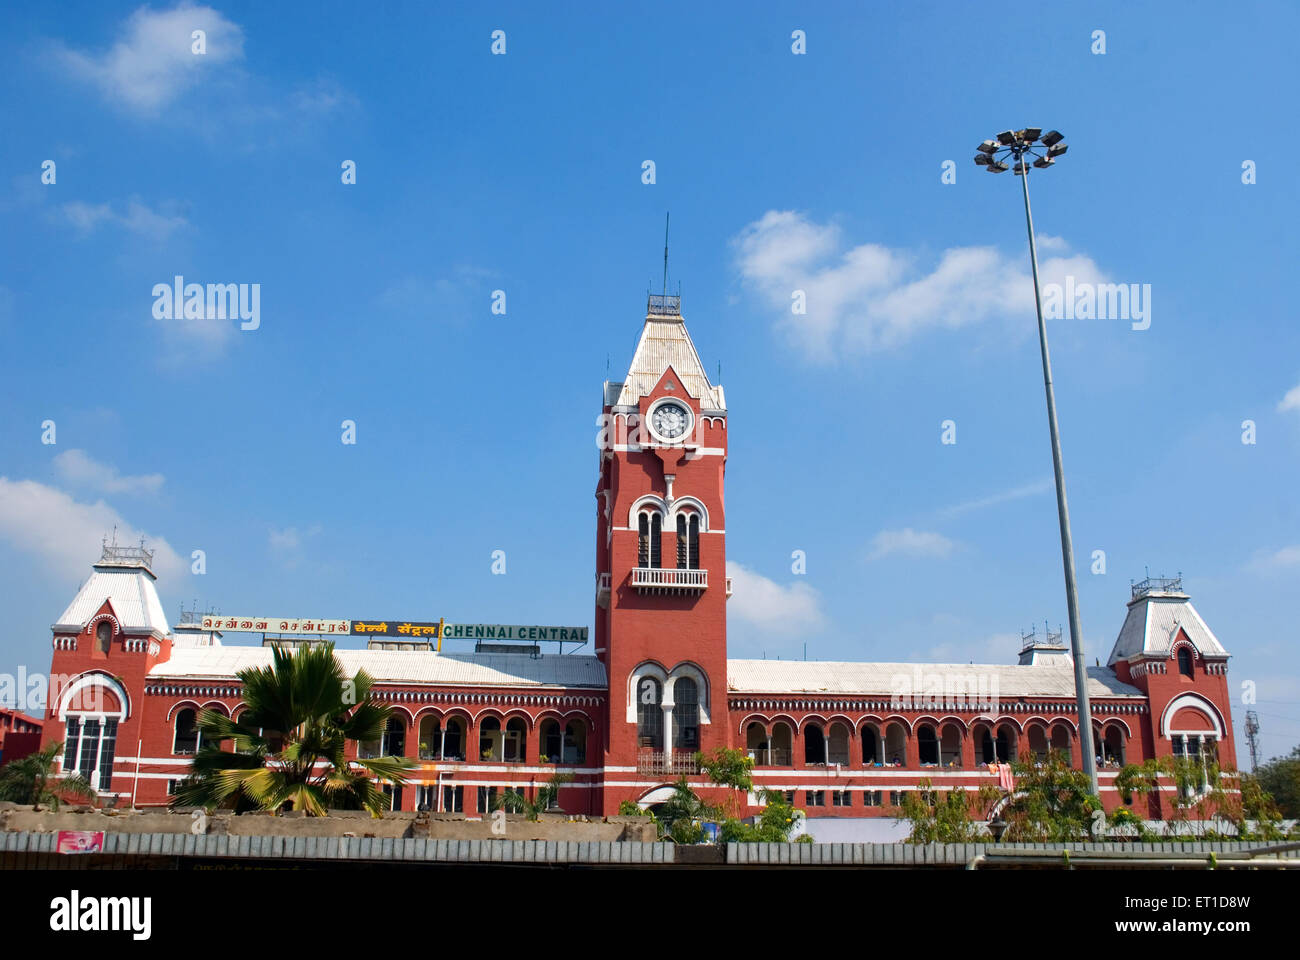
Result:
{"points": [[15, 818]]}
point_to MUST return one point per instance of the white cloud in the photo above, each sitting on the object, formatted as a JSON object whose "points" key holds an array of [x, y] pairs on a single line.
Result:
{"points": [[1016, 493], [769, 607], [910, 543], [870, 297], [286, 544], [153, 63], [1285, 557], [65, 535], [77, 468], [137, 218], [1291, 401]]}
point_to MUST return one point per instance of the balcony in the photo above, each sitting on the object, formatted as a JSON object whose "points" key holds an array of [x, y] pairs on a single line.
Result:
{"points": [[669, 580], [669, 763], [602, 589]]}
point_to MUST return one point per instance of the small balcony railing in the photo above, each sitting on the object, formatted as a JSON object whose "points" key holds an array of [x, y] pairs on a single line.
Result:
{"points": [[664, 305], [602, 589], [669, 579], [666, 763]]}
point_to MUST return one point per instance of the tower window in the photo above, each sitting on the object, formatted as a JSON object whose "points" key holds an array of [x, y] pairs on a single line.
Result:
{"points": [[686, 714], [104, 635], [688, 541], [649, 540], [649, 714], [1185, 662]]}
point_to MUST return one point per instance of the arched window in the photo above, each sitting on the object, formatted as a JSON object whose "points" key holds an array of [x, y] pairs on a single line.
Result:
{"points": [[453, 739], [927, 746], [490, 739], [950, 745], [393, 743], [895, 745], [515, 741], [814, 744], [575, 742], [552, 741], [90, 744], [649, 540], [686, 714], [758, 745], [1038, 744], [782, 745], [104, 635], [187, 733], [430, 738], [1185, 662], [872, 749], [838, 745], [688, 541], [649, 715], [1007, 742]]}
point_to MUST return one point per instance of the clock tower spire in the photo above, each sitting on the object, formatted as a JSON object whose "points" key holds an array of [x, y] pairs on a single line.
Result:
{"points": [[661, 624]]}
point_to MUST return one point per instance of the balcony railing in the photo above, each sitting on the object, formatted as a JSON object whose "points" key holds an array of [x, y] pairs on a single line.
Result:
{"points": [[666, 763], [602, 589], [662, 579], [664, 306], [1157, 585]]}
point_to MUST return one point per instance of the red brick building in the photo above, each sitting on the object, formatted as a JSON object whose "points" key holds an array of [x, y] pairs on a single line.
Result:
{"points": [[19, 735], [625, 719]]}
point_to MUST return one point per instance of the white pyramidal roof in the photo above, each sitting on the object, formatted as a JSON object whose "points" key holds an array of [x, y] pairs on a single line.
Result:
{"points": [[129, 588], [666, 343], [883, 679], [1152, 625], [404, 666]]}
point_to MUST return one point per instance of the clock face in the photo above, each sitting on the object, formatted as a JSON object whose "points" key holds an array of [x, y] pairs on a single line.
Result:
{"points": [[670, 420]]}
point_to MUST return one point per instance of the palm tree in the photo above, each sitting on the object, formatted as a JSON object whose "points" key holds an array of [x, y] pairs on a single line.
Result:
{"points": [[288, 745], [546, 795], [31, 780]]}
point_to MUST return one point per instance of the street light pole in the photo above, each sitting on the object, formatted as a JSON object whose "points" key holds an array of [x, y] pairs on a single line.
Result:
{"points": [[1019, 145]]}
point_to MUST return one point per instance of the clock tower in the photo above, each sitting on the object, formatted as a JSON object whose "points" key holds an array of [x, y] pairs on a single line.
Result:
{"points": [[661, 560]]}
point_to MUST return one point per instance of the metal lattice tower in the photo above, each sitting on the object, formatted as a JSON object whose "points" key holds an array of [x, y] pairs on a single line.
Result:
{"points": [[1252, 737]]}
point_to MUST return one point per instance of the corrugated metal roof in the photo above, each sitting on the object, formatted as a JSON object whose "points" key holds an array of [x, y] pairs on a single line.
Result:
{"points": [[666, 343], [1152, 625], [130, 590], [406, 666], [883, 679]]}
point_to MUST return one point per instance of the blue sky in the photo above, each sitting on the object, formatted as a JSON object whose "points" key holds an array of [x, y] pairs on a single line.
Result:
{"points": [[523, 172]]}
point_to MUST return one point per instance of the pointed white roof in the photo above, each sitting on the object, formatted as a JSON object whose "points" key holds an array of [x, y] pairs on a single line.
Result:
{"points": [[1153, 622], [129, 588], [666, 343]]}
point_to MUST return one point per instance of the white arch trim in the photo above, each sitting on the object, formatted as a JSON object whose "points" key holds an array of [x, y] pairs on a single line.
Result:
{"points": [[657, 795], [87, 681], [641, 503], [647, 668], [688, 669], [1196, 702], [694, 503]]}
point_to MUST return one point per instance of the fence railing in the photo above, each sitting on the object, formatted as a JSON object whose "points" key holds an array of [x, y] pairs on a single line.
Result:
{"points": [[666, 763]]}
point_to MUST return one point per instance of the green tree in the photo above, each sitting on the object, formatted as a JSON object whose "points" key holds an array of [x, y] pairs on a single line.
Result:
{"points": [[1051, 802], [31, 780], [1280, 778], [731, 768], [683, 814], [945, 816], [774, 824], [545, 798], [289, 746]]}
